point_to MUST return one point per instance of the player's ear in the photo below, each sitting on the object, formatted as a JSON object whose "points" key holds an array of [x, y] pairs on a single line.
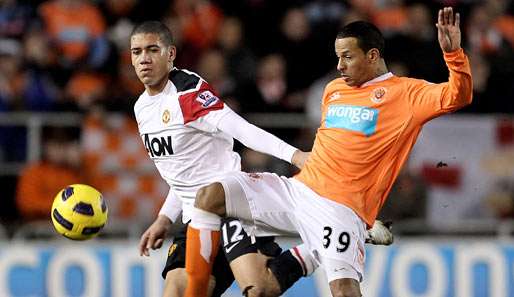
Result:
{"points": [[373, 55], [172, 53]]}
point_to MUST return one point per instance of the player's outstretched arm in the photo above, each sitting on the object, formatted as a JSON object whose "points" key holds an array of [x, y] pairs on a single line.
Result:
{"points": [[432, 100], [259, 140], [448, 30]]}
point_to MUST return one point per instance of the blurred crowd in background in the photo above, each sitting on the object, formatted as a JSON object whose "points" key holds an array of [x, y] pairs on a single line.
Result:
{"points": [[261, 56]]}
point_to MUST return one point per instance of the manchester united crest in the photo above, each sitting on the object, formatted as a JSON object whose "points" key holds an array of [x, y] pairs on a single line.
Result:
{"points": [[378, 94], [166, 116]]}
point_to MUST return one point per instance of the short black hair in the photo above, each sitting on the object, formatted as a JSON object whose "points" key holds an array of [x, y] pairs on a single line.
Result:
{"points": [[368, 36], [154, 27]]}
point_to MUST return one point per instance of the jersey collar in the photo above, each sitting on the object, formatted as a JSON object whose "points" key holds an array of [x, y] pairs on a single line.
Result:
{"points": [[166, 90], [377, 79]]}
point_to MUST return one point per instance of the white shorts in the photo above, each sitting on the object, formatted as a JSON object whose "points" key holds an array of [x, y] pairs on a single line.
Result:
{"points": [[272, 205]]}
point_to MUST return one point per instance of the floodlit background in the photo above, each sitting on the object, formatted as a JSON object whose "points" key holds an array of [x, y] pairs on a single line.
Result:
{"points": [[67, 91]]}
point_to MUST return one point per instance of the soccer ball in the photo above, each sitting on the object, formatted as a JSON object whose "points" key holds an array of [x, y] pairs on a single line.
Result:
{"points": [[79, 212]]}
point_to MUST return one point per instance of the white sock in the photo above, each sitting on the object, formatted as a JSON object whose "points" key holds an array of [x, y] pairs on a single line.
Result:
{"points": [[201, 219]]}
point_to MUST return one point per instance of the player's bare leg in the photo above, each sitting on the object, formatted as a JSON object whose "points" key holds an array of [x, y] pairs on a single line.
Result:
{"points": [[255, 282], [345, 287], [259, 265], [264, 276], [176, 282]]}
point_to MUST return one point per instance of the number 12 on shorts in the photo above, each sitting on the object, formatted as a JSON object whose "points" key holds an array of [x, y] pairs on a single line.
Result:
{"points": [[234, 234], [342, 239]]}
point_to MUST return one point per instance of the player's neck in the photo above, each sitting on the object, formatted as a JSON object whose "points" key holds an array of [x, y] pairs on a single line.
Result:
{"points": [[157, 88], [381, 69]]}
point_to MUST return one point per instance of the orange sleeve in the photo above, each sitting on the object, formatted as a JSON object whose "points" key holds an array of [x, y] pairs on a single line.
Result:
{"points": [[431, 100]]}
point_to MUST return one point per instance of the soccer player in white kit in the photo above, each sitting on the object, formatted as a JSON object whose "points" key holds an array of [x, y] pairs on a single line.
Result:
{"points": [[188, 133]]}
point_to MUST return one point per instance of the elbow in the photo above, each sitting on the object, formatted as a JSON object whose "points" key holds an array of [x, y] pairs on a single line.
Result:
{"points": [[459, 100], [464, 95]]}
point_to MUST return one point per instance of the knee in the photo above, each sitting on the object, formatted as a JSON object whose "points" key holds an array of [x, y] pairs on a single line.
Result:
{"points": [[345, 288], [211, 198]]}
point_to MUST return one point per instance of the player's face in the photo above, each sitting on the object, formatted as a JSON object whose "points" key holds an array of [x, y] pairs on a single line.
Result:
{"points": [[151, 59], [354, 64]]}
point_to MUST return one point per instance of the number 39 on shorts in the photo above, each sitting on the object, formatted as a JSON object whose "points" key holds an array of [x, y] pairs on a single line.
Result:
{"points": [[335, 239]]}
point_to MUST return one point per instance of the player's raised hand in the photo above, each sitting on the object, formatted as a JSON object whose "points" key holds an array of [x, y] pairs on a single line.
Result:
{"points": [[448, 30], [154, 235]]}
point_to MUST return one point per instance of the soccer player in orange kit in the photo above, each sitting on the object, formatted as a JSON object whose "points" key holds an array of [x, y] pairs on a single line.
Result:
{"points": [[370, 122]]}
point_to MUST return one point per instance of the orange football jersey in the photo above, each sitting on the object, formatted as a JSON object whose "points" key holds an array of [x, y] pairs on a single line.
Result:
{"points": [[367, 132]]}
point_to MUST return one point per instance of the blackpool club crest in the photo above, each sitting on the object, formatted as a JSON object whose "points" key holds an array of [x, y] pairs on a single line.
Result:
{"points": [[378, 94], [166, 116]]}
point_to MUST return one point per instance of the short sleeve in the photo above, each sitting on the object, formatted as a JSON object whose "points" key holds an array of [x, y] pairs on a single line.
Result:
{"points": [[202, 108]]}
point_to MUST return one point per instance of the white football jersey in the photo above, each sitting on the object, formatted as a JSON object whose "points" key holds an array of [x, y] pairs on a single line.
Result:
{"points": [[179, 131]]}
